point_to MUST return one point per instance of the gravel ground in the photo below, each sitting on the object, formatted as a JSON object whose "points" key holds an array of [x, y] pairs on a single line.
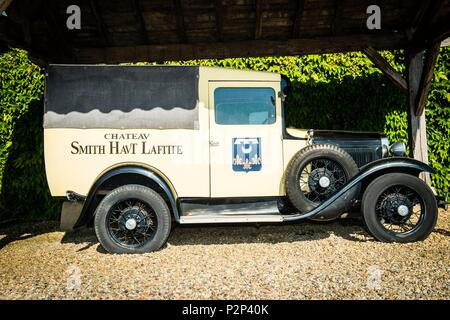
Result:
{"points": [[302, 261]]}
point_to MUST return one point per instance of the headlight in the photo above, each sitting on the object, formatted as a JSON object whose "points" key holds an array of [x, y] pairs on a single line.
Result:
{"points": [[398, 149]]}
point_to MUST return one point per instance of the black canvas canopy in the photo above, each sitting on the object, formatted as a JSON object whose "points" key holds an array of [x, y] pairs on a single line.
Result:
{"points": [[80, 96]]}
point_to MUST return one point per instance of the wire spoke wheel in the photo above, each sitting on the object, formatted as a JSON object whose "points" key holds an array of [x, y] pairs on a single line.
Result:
{"points": [[131, 223], [400, 209], [321, 178], [314, 174]]}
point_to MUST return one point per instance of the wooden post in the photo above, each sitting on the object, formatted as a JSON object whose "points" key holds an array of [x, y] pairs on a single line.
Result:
{"points": [[417, 134]]}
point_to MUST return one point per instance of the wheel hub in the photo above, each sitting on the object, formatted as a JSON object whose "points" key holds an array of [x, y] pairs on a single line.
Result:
{"points": [[403, 210], [130, 224], [324, 182], [320, 179], [396, 208], [133, 219]]}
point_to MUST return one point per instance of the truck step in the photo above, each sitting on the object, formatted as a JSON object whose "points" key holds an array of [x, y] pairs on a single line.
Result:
{"points": [[241, 218]]}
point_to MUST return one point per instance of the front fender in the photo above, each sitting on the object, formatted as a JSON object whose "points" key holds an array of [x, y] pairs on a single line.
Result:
{"points": [[367, 172]]}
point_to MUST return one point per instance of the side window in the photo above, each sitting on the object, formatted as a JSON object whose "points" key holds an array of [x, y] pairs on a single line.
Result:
{"points": [[244, 106]]}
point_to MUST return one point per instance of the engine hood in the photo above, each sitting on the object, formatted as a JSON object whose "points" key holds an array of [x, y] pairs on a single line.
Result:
{"points": [[364, 147], [338, 134]]}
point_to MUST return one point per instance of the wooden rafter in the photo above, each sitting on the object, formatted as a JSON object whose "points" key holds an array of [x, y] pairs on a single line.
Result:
{"points": [[140, 21], [386, 68], [100, 24], [4, 4], [440, 31], [219, 19], [181, 28], [258, 18], [427, 77], [419, 16], [56, 31], [336, 25], [298, 18], [10, 32], [238, 48], [425, 17]]}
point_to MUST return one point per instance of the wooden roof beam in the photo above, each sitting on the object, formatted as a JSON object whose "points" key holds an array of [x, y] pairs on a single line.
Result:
{"points": [[55, 31], [11, 32], [101, 28], [258, 18], [140, 21], [251, 48], [298, 18], [336, 25], [386, 68], [219, 19], [181, 27], [425, 18]]}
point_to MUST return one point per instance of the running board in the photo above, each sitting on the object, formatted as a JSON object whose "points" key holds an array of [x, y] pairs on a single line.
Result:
{"points": [[244, 208], [231, 218]]}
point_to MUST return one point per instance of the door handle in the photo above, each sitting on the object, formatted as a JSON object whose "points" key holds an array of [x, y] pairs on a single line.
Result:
{"points": [[213, 143]]}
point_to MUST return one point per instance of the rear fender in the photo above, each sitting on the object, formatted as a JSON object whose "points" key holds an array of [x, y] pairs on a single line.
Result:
{"points": [[89, 204]]}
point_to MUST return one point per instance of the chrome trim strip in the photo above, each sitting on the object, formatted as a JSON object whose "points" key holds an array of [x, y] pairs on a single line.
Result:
{"points": [[230, 219]]}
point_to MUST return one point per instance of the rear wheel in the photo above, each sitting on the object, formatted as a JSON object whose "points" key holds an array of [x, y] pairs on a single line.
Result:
{"points": [[399, 207], [132, 219]]}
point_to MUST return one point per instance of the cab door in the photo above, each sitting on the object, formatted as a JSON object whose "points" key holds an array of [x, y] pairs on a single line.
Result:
{"points": [[246, 158]]}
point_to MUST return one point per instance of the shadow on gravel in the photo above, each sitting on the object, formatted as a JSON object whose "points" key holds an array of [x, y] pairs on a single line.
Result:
{"points": [[349, 229], [85, 236], [443, 232], [24, 231]]}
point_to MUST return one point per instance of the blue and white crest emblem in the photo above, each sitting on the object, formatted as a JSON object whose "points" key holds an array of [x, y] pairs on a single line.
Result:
{"points": [[246, 154]]}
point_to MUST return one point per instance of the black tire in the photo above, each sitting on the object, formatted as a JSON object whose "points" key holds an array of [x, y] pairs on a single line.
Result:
{"points": [[148, 207], [381, 202], [307, 156]]}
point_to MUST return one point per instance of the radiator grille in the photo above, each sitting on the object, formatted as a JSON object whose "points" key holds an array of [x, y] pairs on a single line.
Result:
{"points": [[362, 156]]}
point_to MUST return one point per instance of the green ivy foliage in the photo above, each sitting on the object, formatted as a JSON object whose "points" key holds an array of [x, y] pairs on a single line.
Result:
{"points": [[332, 91], [438, 123], [23, 188]]}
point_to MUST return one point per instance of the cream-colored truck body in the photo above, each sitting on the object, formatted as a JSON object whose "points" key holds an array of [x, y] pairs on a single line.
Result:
{"points": [[193, 162], [134, 148]]}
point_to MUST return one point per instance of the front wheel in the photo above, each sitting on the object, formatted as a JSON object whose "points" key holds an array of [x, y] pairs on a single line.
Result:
{"points": [[399, 207], [132, 219]]}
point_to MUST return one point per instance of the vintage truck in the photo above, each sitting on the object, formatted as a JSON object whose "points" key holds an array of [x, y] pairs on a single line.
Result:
{"points": [[136, 149]]}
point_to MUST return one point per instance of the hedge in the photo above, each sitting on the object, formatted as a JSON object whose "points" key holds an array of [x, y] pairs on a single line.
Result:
{"points": [[333, 91], [23, 187]]}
